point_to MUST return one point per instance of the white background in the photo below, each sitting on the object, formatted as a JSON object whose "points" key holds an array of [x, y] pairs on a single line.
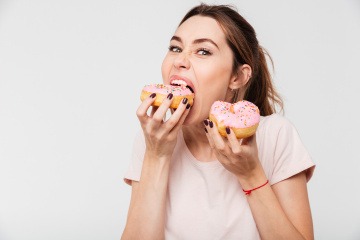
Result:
{"points": [[71, 73]]}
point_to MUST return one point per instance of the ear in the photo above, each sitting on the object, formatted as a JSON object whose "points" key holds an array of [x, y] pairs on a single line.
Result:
{"points": [[241, 78]]}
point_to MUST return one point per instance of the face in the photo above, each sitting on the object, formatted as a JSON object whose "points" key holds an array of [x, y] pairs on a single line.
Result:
{"points": [[199, 55]]}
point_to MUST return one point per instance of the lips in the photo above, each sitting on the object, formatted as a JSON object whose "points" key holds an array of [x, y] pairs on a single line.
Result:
{"points": [[181, 81]]}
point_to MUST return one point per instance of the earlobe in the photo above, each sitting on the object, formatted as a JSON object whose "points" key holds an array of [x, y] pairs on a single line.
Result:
{"points": [[242, 77]]}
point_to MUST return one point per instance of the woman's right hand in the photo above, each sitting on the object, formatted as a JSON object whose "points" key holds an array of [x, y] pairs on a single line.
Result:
{"points": [[160, 136]]}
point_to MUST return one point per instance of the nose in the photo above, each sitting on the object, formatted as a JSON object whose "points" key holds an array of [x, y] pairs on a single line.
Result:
{"points": [[182, 61]]}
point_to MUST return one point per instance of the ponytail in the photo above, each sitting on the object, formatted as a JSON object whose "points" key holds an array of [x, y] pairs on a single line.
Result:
{"points": [[260, 89]]}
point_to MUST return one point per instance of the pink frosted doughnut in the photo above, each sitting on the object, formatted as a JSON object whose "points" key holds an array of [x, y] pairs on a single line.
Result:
{"points": [[162, 91], [242, 117]]}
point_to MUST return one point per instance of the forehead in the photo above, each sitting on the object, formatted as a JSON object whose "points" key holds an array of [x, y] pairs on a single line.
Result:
{"points": [[201, 27]]}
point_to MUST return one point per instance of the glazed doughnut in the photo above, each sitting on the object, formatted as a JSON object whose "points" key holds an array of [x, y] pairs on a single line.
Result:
{"points": [[242, 117], [162, 91]]}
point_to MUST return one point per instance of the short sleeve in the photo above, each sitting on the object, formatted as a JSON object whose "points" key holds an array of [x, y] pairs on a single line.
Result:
{"points": [[137, 156], [290, 155]]}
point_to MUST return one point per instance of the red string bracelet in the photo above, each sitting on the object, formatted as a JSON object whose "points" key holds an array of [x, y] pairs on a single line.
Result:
{"points": [[247, 192]]}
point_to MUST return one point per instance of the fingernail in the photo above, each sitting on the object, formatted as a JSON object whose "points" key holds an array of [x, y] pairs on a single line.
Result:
{"points": [[188, 106], [170, 96], [206, 130], [184, 101], [153, 95], [206, 122], [211, 124], [227, 130]]}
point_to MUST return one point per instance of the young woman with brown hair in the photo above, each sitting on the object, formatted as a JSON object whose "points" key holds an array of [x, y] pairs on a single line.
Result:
{"points": [[189, 182]]}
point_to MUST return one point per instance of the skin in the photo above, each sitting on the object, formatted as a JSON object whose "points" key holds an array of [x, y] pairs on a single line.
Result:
{"points": [[208, 65]]}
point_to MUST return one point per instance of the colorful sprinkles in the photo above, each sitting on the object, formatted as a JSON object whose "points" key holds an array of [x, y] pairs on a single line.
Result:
{"points": [[239, 115]]}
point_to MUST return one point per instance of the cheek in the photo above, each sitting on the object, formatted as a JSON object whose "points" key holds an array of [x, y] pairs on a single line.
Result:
{"points": [[214, 76]]}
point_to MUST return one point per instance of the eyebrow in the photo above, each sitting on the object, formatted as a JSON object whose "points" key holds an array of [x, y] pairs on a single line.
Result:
{"points": [[196, 41]]}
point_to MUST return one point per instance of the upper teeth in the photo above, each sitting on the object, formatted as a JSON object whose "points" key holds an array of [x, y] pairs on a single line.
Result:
{"points": [[179, 82]]}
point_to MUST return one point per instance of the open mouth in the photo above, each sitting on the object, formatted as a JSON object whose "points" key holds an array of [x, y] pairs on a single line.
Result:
{"points": [[181, 83]]}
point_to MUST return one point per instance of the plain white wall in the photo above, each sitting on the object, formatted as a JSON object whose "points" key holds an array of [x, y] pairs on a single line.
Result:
{"points": [[71, 72]]}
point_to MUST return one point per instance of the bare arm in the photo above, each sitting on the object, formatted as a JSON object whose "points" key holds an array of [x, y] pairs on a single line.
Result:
{"points": [[293, 197], [281, 211], [146, 215]]}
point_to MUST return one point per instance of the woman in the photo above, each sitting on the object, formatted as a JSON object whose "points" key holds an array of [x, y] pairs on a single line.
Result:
{"points": [[187, 181]]}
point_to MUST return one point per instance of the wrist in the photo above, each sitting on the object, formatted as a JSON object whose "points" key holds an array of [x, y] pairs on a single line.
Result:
{"points": [[249, 191], [253, 180], [155, 171], [157, 158]]}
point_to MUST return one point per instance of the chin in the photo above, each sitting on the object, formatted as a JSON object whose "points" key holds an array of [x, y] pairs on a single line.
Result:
{"points": [[193, 118]]}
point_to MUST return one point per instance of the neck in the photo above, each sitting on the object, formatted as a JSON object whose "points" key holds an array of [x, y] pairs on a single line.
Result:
{"points": [[197, 142]]}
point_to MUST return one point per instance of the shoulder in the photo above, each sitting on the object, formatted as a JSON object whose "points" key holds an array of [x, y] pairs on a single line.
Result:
{"points": [[274, 118], [275, 123], [277, 131]]}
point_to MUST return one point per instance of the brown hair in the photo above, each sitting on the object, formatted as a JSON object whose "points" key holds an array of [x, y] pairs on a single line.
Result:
{"points": [[241, 38]]}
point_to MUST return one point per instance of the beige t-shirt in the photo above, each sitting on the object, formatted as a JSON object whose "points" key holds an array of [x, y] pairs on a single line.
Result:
{"points": [[205, 201]]}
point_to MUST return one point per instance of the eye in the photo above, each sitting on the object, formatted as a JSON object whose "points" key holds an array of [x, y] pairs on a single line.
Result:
{"points": [[173, 48], [204, 52]]}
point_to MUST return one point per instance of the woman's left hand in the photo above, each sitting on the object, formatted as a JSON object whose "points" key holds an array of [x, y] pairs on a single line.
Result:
{"points": [[238, 156]]}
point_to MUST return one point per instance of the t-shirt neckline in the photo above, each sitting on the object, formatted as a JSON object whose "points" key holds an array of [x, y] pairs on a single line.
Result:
{"points": [[204, 165]]}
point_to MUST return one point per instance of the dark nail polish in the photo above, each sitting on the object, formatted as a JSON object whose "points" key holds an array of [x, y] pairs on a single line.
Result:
{"points": [[188, 106], [227, 130], [153, 95], [211, 124], [206, 130], [170, 96], [206, 122], [184, 101]]}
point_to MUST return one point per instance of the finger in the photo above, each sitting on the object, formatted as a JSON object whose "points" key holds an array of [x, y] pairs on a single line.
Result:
{"points": [[207, 129], [217, 139], [161, 111], [177, 114], [141, 112], [234, 143], [177, 119], [220, 153]]}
